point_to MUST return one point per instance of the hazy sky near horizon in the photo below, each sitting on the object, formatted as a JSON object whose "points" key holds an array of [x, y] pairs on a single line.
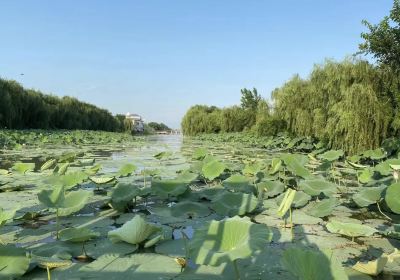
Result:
{"points": [[158, 57]]}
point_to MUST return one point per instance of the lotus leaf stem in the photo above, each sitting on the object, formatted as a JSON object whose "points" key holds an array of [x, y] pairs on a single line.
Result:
{"points": [[57, 224], [379, 208], [235, 265], [48, 273]]}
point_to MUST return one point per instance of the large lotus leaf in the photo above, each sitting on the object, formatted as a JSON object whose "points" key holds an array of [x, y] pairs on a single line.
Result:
{"points": [[312, 265], [231, 204], [175, 247], [73, 202], [317, 186], [331, 155], [213, 169], [211, 193], [392, 197], [322, 208], [187, 177], [199, 153], [122, 194], [100, 180], [368, 195], [79, 234], [295, 164], [218, 242], [253, 168], [48, 164], [375, 154], [384, 167], [350, 229], [52, 198], [276, 165], [126, 170], [137, 266], [271, 188], [6, 215], [300, 199], [13, 262], [135, 231], [238, 183], [374, 267], [68, 181], [190, 210], [168, 187], [23, 167]]}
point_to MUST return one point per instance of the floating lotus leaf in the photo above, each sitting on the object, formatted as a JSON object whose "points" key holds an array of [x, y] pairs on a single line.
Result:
{"points": [[126, 170], [375, 154], [253, 168], [80, 234], [276, 165], [4, 172], [218, 242], [23, 167], [86, 161], [123, 194], [69, 180], [168, 187], [322, 208], [163, 155], [350, 229], [295, 164], [271, 188], [238, 183], [392, 197], [62, 168], [213, 169], [211, 193], [199, 154], [374, 267], [191, 210], [368, 195], [65, 203], [231, 204], [286, 202], [366, 175], [312, 265], [331, 155], [187, 177], [315, 187], [13, 262], [101, 180], [135, 231], [6, 215], [48, 164], [67, 157], [93, 170]]}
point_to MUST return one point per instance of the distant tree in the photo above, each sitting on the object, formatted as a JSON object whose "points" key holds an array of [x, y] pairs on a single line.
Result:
{"points": [[250, 99], [383, 39], [159, 126]]}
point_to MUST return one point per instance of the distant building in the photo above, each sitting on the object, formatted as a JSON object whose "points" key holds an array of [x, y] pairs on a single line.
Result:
{"points": [[137, 122]]}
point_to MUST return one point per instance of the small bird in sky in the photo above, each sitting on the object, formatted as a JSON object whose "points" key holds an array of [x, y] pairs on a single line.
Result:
{"points": [[22, 74]]}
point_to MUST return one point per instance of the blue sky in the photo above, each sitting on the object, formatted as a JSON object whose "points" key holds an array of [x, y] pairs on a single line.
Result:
{"points": [[159, 57]]}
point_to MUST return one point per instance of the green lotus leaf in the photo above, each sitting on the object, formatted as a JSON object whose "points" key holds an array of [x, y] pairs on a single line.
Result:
{"points": [[174, 247], [253, 168], [322, 208], [86, 161], [6, 215], [295, 164], [392, 197], [93, 170], [4, 172], [238, 183], [331, 155], [199, 154], [168, 187], [231, 204], [126, 170], [163, 155], [61, 168], [122, 194], [276, 165], [65, 203], [300, 199], [218, 242], [368, 195], [309, 265], [271, 188], [135, 231], [67, 157], [13, 262], [286, 202], [23, 167], [69, 180], [211, 193], [80, 234], [48, 164], [375, 154], [101, 180], [190, 210], [213, 169], [365, 175], [315, 187], [350, 229], [187, 177]]}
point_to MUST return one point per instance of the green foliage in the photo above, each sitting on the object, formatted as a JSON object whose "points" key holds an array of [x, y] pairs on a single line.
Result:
{"points": [[24, 108], [250, 99], [159, 126]]}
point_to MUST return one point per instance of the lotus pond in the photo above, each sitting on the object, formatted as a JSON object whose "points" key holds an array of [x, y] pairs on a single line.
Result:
{"points": [[92, 205]]}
